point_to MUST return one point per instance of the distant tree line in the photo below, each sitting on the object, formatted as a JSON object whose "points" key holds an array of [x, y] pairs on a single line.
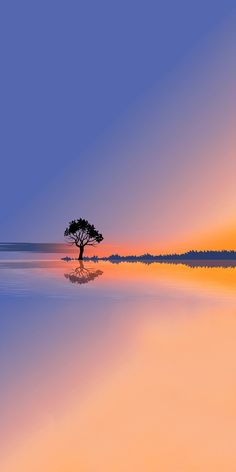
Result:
{"points": [[190, 255], [190, 258]]}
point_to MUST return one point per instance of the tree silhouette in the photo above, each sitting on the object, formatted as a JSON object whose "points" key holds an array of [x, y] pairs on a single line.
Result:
{"points": [[81, 233], [82, 275]]}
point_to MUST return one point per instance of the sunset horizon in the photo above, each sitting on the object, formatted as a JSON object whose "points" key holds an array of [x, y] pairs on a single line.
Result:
{"points": [[118, 236]]}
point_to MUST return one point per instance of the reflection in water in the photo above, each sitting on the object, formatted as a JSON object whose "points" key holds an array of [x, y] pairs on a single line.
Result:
{"points": [[207, 264], [82, 275], [30, 264], [223, 264], [136, 373]]}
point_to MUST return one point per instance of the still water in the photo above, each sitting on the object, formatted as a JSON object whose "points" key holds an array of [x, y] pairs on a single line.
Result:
{"points": [[116, 367]]}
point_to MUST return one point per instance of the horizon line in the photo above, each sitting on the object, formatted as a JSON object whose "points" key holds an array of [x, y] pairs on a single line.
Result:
{"points": [[60, 247]]}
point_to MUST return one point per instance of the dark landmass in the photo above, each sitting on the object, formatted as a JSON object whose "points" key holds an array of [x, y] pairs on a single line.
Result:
{"points": [[191, 255], [191, 259]]}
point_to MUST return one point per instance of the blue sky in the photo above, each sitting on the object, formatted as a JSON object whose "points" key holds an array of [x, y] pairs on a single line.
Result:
{"points": [[70, 71]]}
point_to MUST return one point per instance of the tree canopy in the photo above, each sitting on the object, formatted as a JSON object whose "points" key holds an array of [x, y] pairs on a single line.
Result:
{"points": [[81, 233]]}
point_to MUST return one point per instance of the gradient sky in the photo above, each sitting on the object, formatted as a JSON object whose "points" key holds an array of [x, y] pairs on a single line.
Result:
{"points": [[122, 113]]}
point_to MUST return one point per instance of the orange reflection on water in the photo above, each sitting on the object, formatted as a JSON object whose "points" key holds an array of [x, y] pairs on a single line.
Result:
{"points": [[166, 399], [136, 275]]}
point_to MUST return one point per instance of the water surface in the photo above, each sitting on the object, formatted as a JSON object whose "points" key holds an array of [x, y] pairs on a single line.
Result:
{"points": [[122, 368]]}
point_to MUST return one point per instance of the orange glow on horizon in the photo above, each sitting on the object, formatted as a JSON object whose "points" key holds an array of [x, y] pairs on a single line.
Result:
{"points": [[223, 239]]}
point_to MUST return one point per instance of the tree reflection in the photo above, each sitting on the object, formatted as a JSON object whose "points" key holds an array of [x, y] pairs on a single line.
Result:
{"points": [[83, 275]]}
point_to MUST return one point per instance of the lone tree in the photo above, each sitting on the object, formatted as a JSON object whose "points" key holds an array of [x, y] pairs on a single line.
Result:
{"points": [[82, 233]]}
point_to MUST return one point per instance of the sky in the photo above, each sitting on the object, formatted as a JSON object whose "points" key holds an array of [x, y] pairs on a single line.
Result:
{"points": [[122, 113]]}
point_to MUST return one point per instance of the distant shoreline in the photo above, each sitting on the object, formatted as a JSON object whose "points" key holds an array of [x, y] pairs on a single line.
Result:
{"points": [[191, 259], [64, 248]]}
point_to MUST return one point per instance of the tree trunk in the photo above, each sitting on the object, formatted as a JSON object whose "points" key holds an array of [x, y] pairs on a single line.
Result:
{"points": [[81, 252]]}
